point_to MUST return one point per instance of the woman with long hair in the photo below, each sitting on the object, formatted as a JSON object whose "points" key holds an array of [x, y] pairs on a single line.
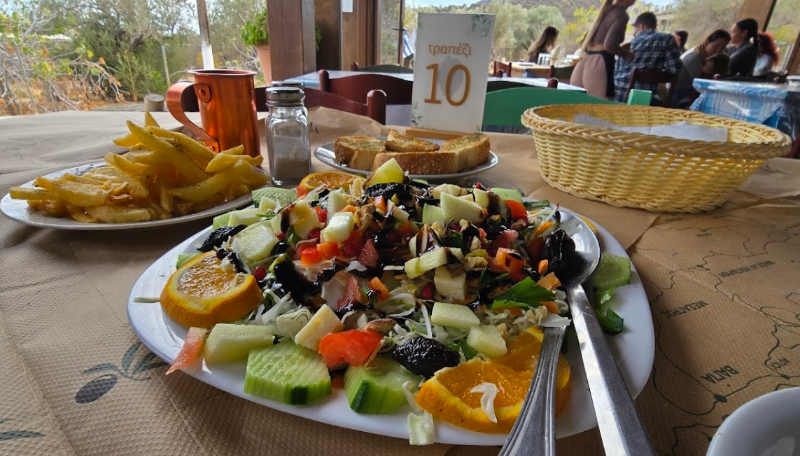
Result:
{"points": [[744, 47], [768, 56], [603, 42], [544, 45], [694, 60], [681, 37]]}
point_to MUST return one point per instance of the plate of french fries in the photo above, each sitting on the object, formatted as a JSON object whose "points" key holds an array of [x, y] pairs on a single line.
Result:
{"points": [[164, 178]]}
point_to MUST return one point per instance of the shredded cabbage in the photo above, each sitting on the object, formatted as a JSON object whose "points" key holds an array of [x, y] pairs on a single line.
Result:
{"points": [[420, 429], [489, 391], [408, 391]]}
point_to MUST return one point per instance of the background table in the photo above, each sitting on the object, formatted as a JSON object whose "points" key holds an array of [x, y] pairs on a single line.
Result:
{"points": [[722, 288], [775, 105]]}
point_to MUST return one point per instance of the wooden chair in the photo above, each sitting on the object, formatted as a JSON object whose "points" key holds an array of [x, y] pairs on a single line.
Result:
{"points": [[375, 108], [356, 88], [500, 69], [382, 69], [649, 76], [560, 73], [504, 108]]}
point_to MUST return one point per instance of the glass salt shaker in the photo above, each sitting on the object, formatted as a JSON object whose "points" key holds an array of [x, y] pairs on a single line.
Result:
{"points": [[297, 84], [288, 147]]}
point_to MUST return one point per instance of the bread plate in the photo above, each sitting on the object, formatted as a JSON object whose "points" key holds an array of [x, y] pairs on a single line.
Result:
{"points": [[326, 155]]}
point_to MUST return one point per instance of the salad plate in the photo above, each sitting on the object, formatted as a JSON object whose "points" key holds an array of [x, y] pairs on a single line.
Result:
{"points": [[325, 154], [19, 211], [633, 350]]}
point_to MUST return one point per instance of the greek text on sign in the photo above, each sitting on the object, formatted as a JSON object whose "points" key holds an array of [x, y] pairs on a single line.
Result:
{"points": [[451, 70]]}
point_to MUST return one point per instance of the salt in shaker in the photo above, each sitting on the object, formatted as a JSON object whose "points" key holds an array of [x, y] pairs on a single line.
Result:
{"points": [[288, 146]]}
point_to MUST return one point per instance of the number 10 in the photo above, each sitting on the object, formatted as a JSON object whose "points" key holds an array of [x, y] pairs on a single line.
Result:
{"points": [[433, 99]]}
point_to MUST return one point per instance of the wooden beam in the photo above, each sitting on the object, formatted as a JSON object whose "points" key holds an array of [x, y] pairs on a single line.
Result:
{"points": [[291, 38], [760, 10], [328, 15], [205, 41], [793, 65]]}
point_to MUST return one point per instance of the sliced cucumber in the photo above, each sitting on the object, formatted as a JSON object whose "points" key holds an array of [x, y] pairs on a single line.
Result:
{"points": [[221, 220], [287, 373], [612, 271], [183, 258], [284, 196], [379, 387], [508, 194]]}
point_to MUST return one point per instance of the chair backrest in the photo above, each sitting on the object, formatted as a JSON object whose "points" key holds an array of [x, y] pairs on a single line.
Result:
{"points": [[388, 68], [505, 107], [561, 73], [650, 76], [356, 87], [500, 69], [375, 108]]}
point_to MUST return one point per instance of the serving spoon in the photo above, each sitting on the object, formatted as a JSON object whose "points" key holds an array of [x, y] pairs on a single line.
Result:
{"points": [[620, 427]]}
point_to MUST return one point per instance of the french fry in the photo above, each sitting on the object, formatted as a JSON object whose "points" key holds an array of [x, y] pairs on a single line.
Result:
{"points": [[80, 194], [128, 140], [185, 165], [238, 150], [136, 188], [215, 184], [79, 214], [43, 183], [33, 193], [165, 198], [148, 157], [198, 152], [127, 167], [149, 121], [223, 161], [118, 214]]}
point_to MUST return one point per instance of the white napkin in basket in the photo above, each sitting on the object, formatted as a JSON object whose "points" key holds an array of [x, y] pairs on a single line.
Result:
{"points": [[680, 130]]}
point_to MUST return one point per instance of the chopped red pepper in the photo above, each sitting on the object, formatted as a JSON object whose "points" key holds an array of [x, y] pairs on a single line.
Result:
{"points": [[322, 214], [301, 191], [377, 285], [328, 250], [354, 347], [310, 256], [507, 261], [352, 246], [502, 242], [517, 209], [315, 233]]}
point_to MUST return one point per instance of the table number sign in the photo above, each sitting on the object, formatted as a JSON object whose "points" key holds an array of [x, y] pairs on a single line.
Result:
{"points": [[450, 71]]}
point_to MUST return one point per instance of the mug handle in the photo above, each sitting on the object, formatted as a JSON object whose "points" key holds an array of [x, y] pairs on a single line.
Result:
{"points": [[175, 105]]}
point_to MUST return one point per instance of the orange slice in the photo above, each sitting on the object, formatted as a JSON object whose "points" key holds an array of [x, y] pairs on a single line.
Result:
{"points": [[448, 397], [201, 293], [329, 179]]}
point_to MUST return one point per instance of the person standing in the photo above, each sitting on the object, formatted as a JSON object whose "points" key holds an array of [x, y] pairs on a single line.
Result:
{"points": [[768, 56], [544, 45], [744, 47], [694, 60], [681, 37], [652, 50], [603, 42]]}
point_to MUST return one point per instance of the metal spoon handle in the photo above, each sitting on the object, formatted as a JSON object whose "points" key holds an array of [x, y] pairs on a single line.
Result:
{"points": [[534, 432], [620, 427]]}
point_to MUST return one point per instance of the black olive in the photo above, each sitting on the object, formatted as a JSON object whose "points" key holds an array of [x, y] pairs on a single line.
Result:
{"points": [[219, 236], [558, 250], [424, 356]]}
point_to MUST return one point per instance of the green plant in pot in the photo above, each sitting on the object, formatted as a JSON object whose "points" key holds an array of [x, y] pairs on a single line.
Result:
{"points": [[255, 32]]}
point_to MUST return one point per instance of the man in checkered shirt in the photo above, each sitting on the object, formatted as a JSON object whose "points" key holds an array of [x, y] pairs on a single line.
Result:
{"points": [[652, 50]]}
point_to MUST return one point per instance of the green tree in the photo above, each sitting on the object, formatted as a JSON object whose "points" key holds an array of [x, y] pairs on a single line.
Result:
{"points": [[701, 17]]}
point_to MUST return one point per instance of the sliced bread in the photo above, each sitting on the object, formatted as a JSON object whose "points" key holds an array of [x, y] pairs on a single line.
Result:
{"points": [[472, 150], [397, 142], [421, 162], [357, 152]]}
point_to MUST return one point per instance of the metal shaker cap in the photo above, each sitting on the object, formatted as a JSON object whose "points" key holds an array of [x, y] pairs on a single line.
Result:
{"points": [[285, 96]]}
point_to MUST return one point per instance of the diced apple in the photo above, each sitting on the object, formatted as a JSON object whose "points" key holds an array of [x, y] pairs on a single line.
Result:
{"points": [[400, 214], [451, 286], [432, 214], [339, 227], [255, 242], [233, 342], [481, 197], [267, 204], [454, 208], [453, 315], [221, 220], [321, 324], [336, 202], [415, 267], [304, 219], [388, 172], [450, 189], [244, 217], [275, 222], [486, 339]]}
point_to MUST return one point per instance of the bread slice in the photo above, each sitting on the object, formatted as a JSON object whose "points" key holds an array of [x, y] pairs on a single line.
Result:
{"points": [[472, 150], [357, 152], [421, 162], [402, 143]]}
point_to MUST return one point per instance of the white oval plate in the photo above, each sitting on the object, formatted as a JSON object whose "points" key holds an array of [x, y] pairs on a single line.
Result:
{"points": [[18, 210], [325, 154], [766, 426], [633, 350]]}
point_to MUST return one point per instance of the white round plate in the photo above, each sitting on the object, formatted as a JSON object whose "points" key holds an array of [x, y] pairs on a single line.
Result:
{"points": [[766, 426], [325, 154], [633, 349], [18, 210]]}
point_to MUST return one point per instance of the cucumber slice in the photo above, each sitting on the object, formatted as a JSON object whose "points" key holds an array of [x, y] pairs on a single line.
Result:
{"points": [[183, 258], [287, 373], [508, 194], [221, 220], [378, 388], [612, 271], [284, 196]]}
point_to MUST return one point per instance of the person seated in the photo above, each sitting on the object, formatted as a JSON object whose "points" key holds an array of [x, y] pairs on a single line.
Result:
{"points": [[714, 67], [651, 50], [694, 60], [744, 47], [768, 57], [681, 37], [545, 44]]}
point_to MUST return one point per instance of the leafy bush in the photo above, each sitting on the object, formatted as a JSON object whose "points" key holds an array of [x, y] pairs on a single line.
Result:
{"points": [[256, 31]]}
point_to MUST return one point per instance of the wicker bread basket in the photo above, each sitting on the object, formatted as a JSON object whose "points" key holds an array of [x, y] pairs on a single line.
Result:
{"points": [[656, 173]]}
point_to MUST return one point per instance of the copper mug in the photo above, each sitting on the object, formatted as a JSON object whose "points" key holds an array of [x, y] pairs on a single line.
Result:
{"points": [[227, 103]]}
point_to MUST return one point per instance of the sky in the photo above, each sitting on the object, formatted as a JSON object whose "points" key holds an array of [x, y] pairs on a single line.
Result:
{"points": [[461, 2]]}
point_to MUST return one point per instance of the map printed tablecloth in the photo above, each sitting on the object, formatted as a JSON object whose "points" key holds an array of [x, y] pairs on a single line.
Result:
{"points": [[723, 289]]}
